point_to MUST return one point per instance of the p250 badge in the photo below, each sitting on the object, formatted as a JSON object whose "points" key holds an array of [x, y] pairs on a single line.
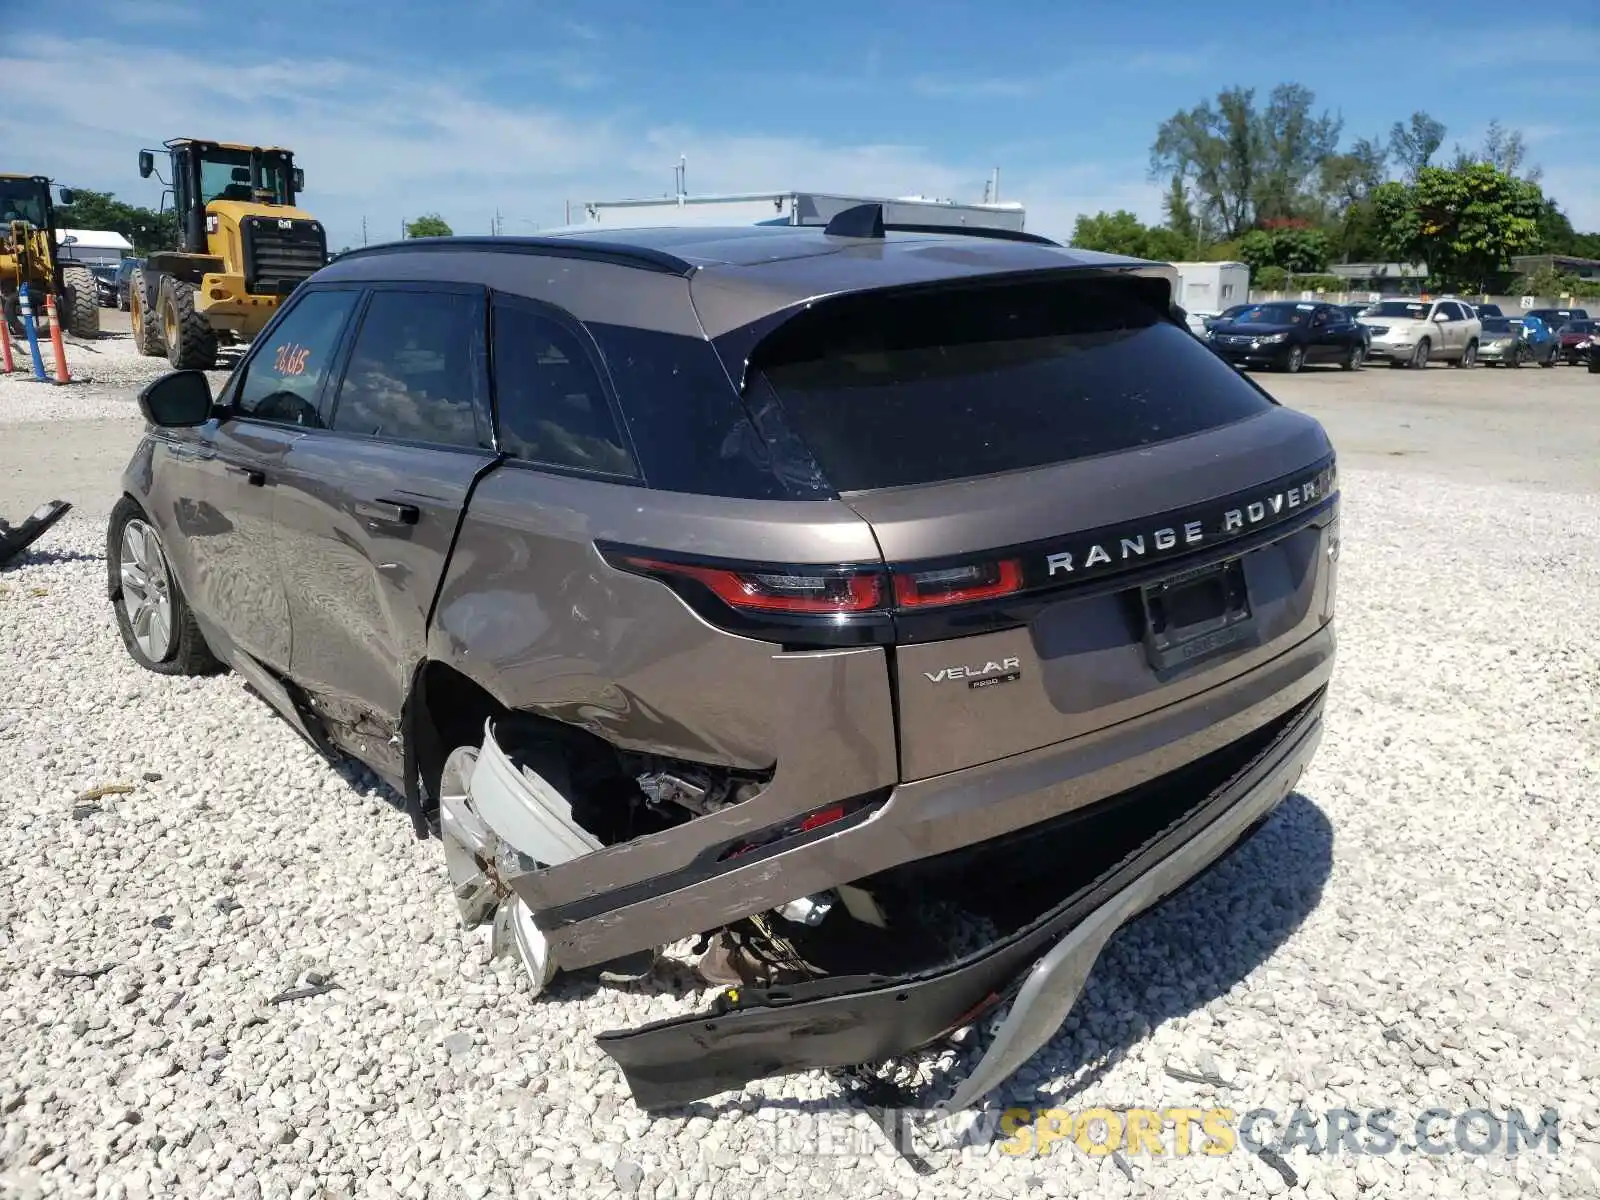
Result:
{"points": [[1006, 670]]}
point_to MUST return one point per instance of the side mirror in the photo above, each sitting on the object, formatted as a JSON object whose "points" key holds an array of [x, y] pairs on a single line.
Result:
{"points": [[1439, 318], [178, 400], [147, 164], [299, 178], [68, 197], [70, 239]]}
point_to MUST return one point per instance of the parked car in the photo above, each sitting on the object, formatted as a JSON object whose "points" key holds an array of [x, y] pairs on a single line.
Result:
{"points": [[1413, 333], [1572, 341], [1503, 344], [1286, 336], [105, 277], [763, 584], [1555, 318], [1487, 310], [1226, 315], [125, 270]]}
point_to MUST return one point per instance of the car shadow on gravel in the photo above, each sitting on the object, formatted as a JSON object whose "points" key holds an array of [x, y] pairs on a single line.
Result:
{"points": [[1169, 962]]}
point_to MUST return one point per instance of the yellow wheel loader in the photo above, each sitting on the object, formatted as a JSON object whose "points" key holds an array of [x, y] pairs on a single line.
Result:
{"points": [[28, 254], [242, 247]]}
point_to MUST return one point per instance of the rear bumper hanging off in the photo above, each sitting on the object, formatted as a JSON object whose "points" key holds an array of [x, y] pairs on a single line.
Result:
{"points": [[751, 1034]]}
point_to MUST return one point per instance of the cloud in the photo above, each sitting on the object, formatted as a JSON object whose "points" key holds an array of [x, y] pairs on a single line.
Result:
{"points": [[386, 146]]}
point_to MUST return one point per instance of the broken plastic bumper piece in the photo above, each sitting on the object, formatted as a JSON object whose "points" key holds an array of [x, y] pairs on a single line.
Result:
{"points": [[14, 539], [1041, 968]]}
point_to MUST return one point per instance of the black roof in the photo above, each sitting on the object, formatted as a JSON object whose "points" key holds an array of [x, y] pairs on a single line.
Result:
{"points": [[737, 273]]}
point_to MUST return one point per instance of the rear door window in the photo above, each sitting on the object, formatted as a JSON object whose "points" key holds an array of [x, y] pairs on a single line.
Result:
{"points": [[894, 389], [416, 370], [283, 379], [550, 404]]}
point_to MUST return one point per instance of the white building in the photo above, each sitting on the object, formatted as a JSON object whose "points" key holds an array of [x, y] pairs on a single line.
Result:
{"points": [[93, 247], [1210, 287], [793, 207]]}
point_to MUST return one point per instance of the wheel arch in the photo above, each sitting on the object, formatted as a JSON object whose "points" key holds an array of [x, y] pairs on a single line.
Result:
{"points": [[445, 708]]}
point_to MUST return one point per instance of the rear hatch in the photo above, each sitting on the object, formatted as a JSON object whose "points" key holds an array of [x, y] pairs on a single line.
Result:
{"points": [[1086, 513]]}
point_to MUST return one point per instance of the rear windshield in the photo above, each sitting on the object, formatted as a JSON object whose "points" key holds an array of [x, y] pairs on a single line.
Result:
{"points": [[892, 389], [1496, 325]]}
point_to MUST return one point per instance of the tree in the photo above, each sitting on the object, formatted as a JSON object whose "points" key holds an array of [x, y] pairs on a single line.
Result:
{"points": [[428, 225], [1465, 223], [1413, 144], [1180, 215], [1118, 232], [1246, 164], [1295, 247], [1121, 232], [147, 229]]}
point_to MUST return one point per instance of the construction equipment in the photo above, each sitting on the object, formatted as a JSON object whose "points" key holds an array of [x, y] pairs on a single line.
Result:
{"points": [[242, 247], [28, 255]]}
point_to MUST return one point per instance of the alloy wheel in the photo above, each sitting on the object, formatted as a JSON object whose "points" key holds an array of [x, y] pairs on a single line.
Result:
{"points": [[146, 590]]}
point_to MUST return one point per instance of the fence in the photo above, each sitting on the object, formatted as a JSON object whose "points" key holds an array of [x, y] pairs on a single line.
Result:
{"points": [[1510, 305]]}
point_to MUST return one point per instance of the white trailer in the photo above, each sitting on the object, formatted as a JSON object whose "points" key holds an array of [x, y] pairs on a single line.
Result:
{"points": [[1209, 287], [793, 207], [92, 247]]}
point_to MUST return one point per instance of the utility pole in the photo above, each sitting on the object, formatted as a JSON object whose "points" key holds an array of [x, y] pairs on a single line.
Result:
{"points": [[363, 229]]}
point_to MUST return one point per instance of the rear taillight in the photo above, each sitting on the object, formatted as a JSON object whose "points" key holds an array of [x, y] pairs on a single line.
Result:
{"points": [[820, 594], [957, 585]]}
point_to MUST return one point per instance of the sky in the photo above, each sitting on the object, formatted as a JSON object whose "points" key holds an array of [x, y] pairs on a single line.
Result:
{"points": [[474, 107]]}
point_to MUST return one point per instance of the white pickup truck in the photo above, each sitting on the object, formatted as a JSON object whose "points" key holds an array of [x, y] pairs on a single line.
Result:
{"points": [[1413, 333]]}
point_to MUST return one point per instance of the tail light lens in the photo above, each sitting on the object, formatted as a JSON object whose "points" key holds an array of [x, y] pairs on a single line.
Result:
{"points": [[958, 585], [822, 593]]}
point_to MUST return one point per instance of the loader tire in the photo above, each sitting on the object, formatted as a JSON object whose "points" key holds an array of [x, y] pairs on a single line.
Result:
{"points": [[145, 321], [79, 307], [191, 342]]}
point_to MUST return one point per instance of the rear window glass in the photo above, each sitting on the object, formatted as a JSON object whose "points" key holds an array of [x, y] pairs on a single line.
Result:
{"points": [[897, 389]]}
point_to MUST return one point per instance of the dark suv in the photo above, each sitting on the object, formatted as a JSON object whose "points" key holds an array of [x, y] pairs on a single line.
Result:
{"points": [[1286, 336], [900, 612]]}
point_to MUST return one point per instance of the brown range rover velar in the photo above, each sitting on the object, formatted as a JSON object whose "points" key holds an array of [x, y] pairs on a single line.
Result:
{"points": [[879, 616]]}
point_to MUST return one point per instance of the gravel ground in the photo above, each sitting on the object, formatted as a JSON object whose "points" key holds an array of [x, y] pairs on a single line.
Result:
{"points": [[105, 374], [1414, 929]]}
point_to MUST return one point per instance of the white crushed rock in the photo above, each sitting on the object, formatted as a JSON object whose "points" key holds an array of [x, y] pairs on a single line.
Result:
{"points": [[1418, 927], [105, 372]]}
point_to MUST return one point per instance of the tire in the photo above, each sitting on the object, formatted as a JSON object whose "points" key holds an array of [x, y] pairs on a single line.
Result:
{"points": [[152, 614], [1549, 362], [191, 342], [1594, 363], [79, 307], [1419, 356], [1296, 360], [145, 322], [1356, 357], [1469, 355]]}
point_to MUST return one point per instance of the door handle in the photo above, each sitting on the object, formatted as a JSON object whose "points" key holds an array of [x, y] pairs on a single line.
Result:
{"points": [[392, 511], [252, 476]]}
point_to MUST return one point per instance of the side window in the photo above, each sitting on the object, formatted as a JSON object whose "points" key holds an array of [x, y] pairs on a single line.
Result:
{"points": [[414, 369], [1456, 312], [282, 380], [549, 401]]}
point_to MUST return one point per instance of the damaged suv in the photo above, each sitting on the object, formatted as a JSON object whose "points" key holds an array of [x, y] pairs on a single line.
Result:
{"points": [[880, 616]]}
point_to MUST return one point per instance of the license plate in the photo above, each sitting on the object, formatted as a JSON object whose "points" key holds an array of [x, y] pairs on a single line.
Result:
{"points": [[1195, 615]]}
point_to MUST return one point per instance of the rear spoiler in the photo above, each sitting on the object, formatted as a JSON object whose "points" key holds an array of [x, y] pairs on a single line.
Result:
{"points": [[866, 221]]}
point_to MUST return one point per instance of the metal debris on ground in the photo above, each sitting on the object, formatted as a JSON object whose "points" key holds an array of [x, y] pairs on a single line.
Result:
{"points": [[87, 973], [320, 988], [105, 789]]}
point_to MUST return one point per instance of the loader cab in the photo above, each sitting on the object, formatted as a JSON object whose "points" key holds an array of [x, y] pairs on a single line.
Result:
{"points": [[206, 172], [27, 198]]}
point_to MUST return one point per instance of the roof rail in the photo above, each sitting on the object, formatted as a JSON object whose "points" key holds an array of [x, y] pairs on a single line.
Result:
{"points": [[617, 253], [866, 221]]}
